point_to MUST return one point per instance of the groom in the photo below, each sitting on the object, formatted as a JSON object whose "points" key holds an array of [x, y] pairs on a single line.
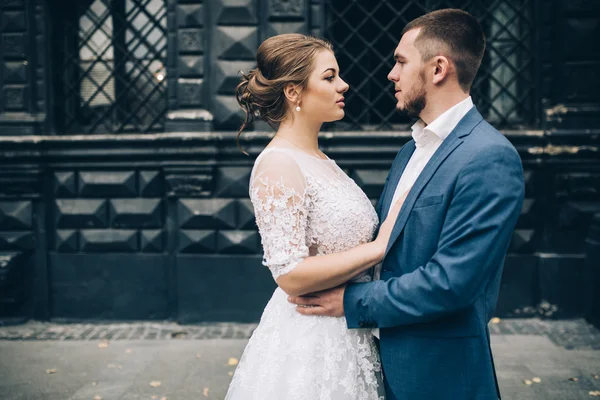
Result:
{"points": [[437, 286]]}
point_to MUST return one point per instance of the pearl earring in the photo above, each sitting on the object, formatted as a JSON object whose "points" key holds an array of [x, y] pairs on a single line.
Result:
{"points": [[298, 108]]}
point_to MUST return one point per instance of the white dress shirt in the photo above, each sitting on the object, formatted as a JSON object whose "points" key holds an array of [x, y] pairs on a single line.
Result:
{"points": [[427, 140]]}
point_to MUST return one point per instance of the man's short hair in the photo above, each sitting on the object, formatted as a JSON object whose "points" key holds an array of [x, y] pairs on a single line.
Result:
{"points": [[455, 34]]}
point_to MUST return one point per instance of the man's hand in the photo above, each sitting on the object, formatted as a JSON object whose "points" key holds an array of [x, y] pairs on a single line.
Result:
{"points": [[329, 302]]}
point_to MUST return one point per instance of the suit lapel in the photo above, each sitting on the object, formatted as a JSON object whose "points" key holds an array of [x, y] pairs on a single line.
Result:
{"points": [[464, 127], [397, 171]]}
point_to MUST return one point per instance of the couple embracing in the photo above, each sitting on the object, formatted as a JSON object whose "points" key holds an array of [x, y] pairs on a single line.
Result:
{"points": [[393, 301]]}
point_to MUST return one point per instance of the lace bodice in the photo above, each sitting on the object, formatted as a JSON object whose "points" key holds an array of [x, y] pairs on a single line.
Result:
{"points": [[306, 206]]}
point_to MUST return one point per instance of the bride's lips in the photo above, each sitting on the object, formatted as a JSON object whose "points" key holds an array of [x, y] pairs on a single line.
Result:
{"points": [[340, 102]]}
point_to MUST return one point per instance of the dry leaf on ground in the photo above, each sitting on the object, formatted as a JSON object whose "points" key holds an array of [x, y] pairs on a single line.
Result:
{"points": [[536, 380], [230, 373], [495, 320], [51, 371], [527, 382], [97, 397], [155, 383], [205, 392], [595, 393], [233, 361], [573, 379], [103, 344]]}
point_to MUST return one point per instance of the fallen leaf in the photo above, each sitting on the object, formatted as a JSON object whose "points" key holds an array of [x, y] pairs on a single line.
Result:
{"points": [[198, 356], [573, 379], [103, 344], [230, 373], [163, 398], [495, 320], [155, 383], [536, 380], [595, 393], [205, 392], [595, 376], [179, 334], [154, 397], [97, 397], [51, 371], [127, 351], [233, 361], [94, 383], [527, 382]]}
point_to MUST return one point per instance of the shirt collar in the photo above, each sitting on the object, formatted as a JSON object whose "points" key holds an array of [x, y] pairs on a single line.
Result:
{"points": [[442, 125]]}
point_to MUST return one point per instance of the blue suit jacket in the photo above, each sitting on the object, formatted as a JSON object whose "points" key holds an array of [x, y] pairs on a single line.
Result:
{"points": [[441, 272]]}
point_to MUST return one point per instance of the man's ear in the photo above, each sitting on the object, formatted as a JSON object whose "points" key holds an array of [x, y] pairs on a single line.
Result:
{"points": [[441, 69], [292, 93]]}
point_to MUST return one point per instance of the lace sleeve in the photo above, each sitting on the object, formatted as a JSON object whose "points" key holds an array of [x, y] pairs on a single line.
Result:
{"points": [[277, 191]]}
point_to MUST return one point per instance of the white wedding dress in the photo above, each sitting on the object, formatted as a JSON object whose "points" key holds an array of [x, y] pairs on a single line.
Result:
{"points": [[306, 206]]}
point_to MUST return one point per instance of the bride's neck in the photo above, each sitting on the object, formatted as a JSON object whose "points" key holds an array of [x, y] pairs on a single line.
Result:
{"points": [[301, 133]]}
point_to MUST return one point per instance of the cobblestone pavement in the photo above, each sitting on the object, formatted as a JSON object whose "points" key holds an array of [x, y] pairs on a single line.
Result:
{"points": [[569, 334], [535, 360]]}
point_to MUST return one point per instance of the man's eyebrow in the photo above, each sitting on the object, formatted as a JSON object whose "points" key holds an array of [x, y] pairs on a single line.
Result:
{"points": [[329, 69]]}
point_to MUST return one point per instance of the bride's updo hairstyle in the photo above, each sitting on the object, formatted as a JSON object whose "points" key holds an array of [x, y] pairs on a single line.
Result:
{"points": [[280, 60]]}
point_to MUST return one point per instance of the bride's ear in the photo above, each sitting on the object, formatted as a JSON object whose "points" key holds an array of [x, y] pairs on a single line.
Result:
{"points": [[292, 93]]}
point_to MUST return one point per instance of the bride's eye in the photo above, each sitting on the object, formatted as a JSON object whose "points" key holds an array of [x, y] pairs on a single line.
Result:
{"points": [[330, 78]]}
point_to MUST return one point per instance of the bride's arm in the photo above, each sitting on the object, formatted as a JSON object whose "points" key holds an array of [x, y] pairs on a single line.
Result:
{"points": [[317, 273]]}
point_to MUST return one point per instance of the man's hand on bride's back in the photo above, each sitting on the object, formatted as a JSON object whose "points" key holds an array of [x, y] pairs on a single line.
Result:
{"points": [[386, 227]]}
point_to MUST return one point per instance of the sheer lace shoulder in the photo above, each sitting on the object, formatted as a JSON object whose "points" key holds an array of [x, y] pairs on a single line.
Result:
{"points": [[278, 194]]}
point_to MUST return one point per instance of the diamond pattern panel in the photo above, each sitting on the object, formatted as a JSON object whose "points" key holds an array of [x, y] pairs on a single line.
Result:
{"points": [[15, 215], [190, 15], [246, 219], [232, 182], [197, 241], [66, 240], [278, 28], [136, 213], [236, 42], [109, 240], [190, 66], [227, 75], [81, 213], [228, 113], [152, 241], [65, 184], [107, 184], [17, 241], [15, 72], [238, 242], [151, 184], [206, 213], [235, 12]]}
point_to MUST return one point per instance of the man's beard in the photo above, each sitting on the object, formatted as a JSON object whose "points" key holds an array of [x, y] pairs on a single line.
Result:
{"points": [[416, 100]]}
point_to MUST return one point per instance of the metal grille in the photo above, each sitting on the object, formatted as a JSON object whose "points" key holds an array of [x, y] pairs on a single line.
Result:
{"points": [[114, 71], [365, 33]]}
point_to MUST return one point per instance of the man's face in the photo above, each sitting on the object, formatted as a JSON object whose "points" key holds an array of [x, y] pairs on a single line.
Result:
{"points": [[408, 76]]}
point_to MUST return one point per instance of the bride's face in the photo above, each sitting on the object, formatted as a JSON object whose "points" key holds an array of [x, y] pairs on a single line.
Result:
{"points": [[323, 98]]}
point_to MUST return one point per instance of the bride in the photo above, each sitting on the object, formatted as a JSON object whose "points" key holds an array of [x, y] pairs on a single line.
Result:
{"points": [[316, 227]]}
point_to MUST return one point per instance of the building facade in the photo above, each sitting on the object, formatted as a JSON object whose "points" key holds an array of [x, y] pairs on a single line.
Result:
{"points": [[123, 193]]}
